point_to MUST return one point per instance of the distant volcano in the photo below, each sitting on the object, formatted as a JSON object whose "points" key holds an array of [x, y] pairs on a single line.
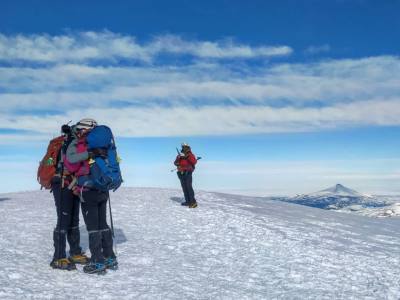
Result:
{"points": [[336, 197], [338, 190]]}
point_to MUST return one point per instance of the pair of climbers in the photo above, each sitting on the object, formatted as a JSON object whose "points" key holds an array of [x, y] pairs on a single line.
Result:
{"points": [[84, 167], [80, 167]]}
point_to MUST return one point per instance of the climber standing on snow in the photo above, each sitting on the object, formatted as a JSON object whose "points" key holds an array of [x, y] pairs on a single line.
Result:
{"points": [[93, 200], [67, 205], [185, 162]]}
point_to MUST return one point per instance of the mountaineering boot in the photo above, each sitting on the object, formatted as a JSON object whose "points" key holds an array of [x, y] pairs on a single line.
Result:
{"points": [[59, 240], [73, 238], [94, 268], [111, 263], [79, 259], [95, 246], [185, 203], [107, 243], [62, 264], [193, 205]]}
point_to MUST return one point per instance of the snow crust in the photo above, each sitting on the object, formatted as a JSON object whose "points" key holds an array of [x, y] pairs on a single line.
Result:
{"points": [[230, 247]]}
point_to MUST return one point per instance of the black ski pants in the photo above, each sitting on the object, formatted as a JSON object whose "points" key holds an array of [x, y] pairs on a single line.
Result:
{"points": [[94, 210], [186, 183], [67, 206]]}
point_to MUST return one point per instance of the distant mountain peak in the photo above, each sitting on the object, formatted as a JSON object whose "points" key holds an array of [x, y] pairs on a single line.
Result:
{"points": [[339, 190]]}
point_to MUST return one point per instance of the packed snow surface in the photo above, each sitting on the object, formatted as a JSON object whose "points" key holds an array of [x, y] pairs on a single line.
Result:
{"points": [[230, 247]]}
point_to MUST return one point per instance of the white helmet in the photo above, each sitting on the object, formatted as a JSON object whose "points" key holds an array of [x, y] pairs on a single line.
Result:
{"points": [[185, 145], [86, 123]]}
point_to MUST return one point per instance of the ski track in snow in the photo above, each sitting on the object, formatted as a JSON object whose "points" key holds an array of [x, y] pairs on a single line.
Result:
{"points": [[230, 247]]}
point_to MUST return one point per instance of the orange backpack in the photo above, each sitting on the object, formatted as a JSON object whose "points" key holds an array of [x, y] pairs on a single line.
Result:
{"points": [[48, 165]]}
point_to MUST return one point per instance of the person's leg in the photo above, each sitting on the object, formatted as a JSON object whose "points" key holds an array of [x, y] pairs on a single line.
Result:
{"points": [[189, 187], [76, 254], [107, 239], [64, 216], [182, 179], [90, 215], [63, 209], [73, 234]]}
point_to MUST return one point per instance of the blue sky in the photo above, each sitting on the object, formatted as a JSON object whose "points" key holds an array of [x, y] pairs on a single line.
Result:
{"points": [[278, 97]]}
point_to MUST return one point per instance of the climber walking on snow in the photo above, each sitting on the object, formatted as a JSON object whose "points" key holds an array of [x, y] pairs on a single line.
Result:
{"points": [[185, 162]]}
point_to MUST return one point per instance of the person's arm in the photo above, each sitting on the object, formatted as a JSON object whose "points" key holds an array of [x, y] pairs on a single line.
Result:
{"points": [[192, 159], [176, 163], [73, 156]]}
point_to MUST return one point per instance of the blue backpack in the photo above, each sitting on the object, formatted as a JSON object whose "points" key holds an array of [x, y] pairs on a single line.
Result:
{"points": [[105, 173]]}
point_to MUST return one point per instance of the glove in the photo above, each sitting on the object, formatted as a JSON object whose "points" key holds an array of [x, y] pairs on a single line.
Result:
{"points": [[96, 152]]}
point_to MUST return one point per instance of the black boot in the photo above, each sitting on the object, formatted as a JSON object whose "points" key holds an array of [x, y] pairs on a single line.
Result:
{"points": [[185, 203], [74, 238], [107, 243], [93, 268], [111, 263], [95, 246], [59, 240]]}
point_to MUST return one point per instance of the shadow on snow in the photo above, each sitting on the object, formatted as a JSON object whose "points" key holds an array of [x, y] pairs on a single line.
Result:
{"points": [[118, 232]]}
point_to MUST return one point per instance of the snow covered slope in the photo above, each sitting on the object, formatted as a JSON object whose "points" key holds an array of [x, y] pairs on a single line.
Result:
{"points": [[230, 247], [390, 210]]}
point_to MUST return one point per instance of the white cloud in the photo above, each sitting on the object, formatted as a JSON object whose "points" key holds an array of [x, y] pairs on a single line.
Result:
{"points": [[217, 120], [207, 98], [85, 46], [326, 82], [75, 47], [206, 49]]}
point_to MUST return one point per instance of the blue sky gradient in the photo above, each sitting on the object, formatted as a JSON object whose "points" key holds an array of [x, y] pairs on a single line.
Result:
{"points": [[278, 97]]}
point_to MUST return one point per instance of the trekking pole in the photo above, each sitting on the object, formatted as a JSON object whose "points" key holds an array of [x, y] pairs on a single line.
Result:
{"points": [[59, 208], [112, 224], [66, 130]]}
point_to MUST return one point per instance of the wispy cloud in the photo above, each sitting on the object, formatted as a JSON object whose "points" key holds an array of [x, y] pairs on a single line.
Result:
{"points": [[206, 96], [86, 46], [325, 83], [217, 120], [205, 49], [77, 47]]}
